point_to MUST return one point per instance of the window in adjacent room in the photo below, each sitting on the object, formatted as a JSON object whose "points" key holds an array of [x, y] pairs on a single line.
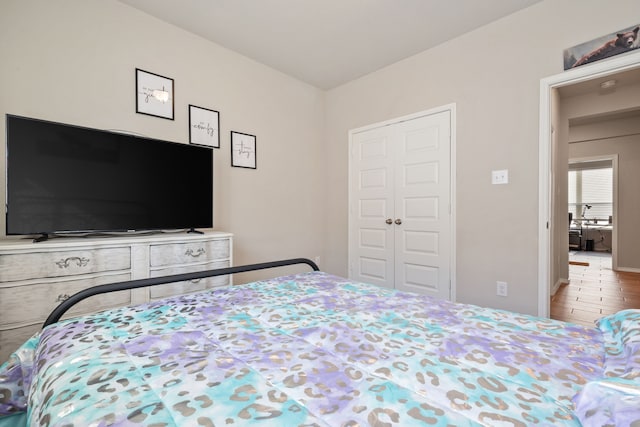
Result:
{"points": [[591, 191]]}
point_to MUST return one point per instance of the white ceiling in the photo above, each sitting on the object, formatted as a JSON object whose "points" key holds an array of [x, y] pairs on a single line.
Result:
{"points": [[622, 79], [329, 42]]}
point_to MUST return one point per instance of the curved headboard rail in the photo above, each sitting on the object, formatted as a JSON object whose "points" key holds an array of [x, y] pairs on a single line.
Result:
{"points": [[59, 311]]}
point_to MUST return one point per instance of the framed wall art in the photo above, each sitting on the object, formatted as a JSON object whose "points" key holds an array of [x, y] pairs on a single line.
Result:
{"points": [[154, 94], [622, 41], [204, 126], [243, 150]]}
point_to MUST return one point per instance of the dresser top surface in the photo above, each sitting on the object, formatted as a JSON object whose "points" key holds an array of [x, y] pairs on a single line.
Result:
{"points": [[12, 243]]}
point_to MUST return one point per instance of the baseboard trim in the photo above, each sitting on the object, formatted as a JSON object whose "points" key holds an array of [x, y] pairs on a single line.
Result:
{"points": [[628, 269], [557, 285]]}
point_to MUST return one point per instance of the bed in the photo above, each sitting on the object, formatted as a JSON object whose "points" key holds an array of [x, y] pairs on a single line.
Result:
{"points": [[313, 349]]}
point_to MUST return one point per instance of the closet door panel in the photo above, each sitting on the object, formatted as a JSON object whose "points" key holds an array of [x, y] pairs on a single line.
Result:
{"points": [[422, 200], [371, 206]]}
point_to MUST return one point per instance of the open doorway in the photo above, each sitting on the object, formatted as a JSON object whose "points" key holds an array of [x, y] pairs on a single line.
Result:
{"points": [[554, 156], [591, 203]]}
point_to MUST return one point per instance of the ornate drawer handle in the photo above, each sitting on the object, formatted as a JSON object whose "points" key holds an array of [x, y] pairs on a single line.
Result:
{"points": [[65, 263], [62, 297], [189, 252]]}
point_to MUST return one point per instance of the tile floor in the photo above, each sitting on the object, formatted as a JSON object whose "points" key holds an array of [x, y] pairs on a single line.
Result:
{"points": [[595, 290]]}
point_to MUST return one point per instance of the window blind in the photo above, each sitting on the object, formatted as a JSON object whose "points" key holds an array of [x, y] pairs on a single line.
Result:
{"points": [[593, 187]]}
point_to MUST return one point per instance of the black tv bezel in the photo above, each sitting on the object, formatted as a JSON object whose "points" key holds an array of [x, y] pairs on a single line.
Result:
{"points": [[44, 235]]}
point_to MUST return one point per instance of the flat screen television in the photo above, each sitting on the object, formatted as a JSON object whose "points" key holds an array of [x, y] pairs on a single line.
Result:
{"points": [[65, 179]]}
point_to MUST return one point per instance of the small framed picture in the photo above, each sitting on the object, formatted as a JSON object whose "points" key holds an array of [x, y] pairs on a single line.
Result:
{"points": [[243, 150], [204, 126], [154, 94]]}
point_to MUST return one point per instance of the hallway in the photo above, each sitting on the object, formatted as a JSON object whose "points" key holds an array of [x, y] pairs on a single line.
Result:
{"points": [[594, 290]]}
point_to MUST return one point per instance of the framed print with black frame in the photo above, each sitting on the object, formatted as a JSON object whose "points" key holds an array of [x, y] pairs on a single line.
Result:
{"points": [[154, 94], [204, 126], [243, 150]]}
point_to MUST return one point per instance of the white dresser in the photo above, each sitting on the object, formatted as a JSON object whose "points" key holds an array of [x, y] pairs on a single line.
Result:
{"points": [[36, 277]]}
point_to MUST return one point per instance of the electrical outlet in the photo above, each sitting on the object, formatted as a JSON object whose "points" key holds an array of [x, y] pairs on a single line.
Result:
{"points": [[500, 177], [501, 289]]}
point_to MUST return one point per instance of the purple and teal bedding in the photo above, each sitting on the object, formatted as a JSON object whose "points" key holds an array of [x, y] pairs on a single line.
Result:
{"points": [[318, 350]]}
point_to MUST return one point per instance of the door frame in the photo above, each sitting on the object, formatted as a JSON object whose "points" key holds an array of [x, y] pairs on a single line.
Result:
{"points": [[451, 108], [545, 192]]}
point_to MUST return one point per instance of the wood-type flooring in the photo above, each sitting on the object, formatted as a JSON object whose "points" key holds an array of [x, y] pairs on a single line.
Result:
{"points": [[594, 290]]}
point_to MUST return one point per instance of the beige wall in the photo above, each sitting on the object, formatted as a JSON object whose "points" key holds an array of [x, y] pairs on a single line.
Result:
{"points": [[560, 239], [493, 75], [612, 126], [73, 61]]}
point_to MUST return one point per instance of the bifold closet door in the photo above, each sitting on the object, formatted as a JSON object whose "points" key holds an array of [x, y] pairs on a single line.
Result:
{"points": [[400, 194]]}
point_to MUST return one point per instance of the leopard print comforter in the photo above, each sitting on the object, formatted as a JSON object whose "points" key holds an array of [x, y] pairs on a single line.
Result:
{"points": [[303, 350]]}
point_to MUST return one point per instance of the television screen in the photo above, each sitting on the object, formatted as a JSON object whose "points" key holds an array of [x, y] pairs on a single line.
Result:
{"points": [[69, 179]]}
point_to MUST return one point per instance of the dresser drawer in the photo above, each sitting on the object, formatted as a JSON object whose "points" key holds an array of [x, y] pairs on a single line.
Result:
{"points": [[178, 288], [38, 265], [185, 253], [33, 303]]}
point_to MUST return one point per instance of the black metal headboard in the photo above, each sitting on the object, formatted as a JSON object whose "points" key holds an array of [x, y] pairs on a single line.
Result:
{"points": [[57, 313]]}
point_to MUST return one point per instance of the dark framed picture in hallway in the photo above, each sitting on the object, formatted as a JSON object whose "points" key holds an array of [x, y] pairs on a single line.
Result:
{"points": [[609, 45], [243, 150]]}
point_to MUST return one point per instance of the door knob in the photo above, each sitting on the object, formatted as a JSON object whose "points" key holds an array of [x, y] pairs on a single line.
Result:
{"points": [[398, 221], [389, 221]]}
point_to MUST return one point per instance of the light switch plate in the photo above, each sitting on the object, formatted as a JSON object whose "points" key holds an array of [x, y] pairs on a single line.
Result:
{"points": [[501, 289], [500, 176]]}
